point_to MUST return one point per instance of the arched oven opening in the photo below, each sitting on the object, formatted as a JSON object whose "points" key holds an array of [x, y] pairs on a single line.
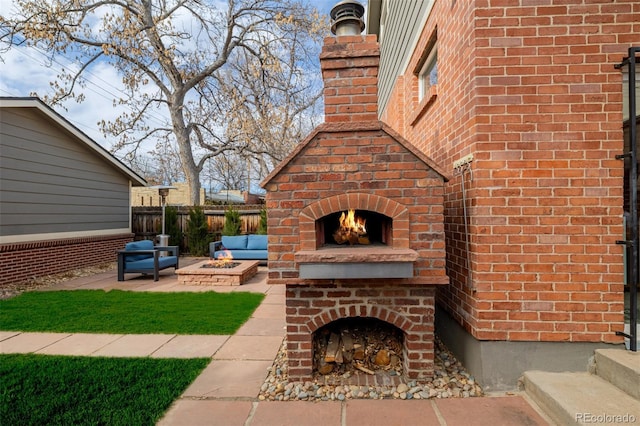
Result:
{"points": [[353, 228], [351, 348]]}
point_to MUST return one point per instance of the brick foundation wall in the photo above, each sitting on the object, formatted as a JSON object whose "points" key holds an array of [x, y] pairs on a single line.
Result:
{"points": [[532, 93], [409, 308], [25, 261]]}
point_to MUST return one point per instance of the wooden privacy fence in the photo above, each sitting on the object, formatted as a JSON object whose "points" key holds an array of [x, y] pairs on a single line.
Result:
{"points": [[146, 222]]}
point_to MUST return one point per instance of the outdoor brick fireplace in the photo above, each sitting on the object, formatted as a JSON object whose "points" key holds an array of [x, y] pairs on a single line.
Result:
{"points": [[387, 273]]}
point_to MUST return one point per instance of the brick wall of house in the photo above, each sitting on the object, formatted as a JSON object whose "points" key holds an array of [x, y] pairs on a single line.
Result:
{"points": [[24, 261], [532, 93]]}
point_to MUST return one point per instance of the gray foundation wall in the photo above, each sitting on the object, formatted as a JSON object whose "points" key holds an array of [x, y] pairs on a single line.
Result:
{"points": [[497, 365]]}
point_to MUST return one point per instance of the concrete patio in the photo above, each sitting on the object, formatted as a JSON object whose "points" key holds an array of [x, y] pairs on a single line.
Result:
{"points": [[226, 393]]}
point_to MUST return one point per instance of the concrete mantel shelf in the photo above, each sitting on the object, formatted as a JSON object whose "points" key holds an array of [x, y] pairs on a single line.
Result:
{"points": [[356, 263], [358, 254]]}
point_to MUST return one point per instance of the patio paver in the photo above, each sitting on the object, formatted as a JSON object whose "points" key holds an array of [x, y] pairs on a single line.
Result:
{"points": [[192, 346], [302, 413], [250, 348], [274, 299], [262, 327], [229, 379], [269, 310], [490, 411], [30, 342], [134, 345], [80, 344], [207, 413], [390, 412], [7, 334]]}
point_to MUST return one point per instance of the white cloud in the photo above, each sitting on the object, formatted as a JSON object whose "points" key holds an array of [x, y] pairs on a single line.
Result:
{"points": [[26, 71]]}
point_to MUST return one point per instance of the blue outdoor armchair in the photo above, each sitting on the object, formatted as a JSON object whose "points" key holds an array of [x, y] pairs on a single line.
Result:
{"points": [[143, 257]]}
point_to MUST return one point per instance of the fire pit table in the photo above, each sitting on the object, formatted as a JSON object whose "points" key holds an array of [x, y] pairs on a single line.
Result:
{"points": [[207, 273]]}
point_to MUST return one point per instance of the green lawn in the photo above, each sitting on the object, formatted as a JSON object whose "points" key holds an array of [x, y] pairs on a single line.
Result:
{"points": [[127, 312], [58, 390], [64, 390]]}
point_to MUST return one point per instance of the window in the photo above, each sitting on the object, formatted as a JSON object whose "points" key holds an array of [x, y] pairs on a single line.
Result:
{"points": [[428, 75], [424, 84], [383, 21]]}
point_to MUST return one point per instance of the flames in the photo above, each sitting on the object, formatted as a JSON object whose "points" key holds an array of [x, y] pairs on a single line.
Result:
{"points": [[351, 229], [223, 261], [351, 222]]}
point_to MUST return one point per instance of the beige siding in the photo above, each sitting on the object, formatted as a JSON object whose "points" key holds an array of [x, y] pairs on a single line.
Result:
{"points": [[400, 26]]}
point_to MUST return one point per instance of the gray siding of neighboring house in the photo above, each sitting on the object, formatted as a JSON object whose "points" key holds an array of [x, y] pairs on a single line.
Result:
{"points": [[51, 182], [400, 25]]}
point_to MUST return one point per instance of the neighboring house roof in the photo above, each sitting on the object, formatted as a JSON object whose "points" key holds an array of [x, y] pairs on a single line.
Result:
{"points": [[230, 196], [149, 196], [32, 102]]}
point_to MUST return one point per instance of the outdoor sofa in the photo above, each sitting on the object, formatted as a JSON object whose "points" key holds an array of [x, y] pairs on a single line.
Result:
{"points": [[145, 258], [241, 247]]}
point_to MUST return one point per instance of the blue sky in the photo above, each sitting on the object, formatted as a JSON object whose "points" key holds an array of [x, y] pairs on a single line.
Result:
{"points": [[24, 71]]}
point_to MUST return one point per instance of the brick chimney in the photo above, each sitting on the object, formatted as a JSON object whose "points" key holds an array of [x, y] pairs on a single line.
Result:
{"points": [[349, 63]]}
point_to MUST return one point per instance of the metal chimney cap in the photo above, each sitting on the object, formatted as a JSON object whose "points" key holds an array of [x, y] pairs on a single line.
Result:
{"points": [[347, 18]]}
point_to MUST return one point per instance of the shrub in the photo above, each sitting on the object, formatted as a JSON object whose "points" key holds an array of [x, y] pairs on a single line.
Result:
{"points": [[232, 222], [198, 232], [262, 225], [172, 227]]}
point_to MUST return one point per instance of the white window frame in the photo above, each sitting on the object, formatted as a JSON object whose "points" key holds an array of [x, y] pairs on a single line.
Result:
{"points": [[428, 75]]}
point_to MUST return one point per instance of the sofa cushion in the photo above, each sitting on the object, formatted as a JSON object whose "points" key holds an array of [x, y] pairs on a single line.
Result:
{"points": [[235, 242], [139, 245], [257, 242], [243, 254], [147, 264]]}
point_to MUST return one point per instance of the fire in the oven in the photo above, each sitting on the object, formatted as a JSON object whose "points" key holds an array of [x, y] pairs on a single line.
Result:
{"points": [[351, 229]]}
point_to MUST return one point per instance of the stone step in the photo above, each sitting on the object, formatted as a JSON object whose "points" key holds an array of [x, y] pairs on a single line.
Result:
{"points": [[620, 368], [580, 398]]}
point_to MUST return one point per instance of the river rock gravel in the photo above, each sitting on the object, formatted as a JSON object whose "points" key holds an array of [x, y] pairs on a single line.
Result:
{"points": [[450, 380], [10, 290]]}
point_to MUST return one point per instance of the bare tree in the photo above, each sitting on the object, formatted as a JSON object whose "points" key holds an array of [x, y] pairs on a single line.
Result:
{"points": [[173, 57], [159, 166], [273, 103], [230, 173]]}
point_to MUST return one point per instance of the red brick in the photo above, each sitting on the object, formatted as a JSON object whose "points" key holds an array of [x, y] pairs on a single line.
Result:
{"points": [[57, 258]]}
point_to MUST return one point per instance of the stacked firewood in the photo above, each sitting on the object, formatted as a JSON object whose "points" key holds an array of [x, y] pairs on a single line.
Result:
{"points": [[350, 236], [339, 351]]}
